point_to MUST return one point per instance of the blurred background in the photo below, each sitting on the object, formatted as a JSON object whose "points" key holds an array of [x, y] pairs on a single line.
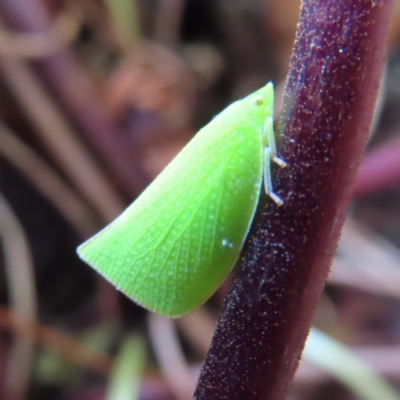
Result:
{"points": [[96, 97]]}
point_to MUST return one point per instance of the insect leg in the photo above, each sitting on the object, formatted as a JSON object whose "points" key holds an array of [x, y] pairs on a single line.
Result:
{"points": [[267, 177], [269, 135]]}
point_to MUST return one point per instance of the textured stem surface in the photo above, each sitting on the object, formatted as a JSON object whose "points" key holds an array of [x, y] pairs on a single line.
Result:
{"points": [[328, 105]]}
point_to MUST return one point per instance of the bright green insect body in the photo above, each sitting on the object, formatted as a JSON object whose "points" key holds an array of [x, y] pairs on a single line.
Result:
{"points": [[172, 248]]}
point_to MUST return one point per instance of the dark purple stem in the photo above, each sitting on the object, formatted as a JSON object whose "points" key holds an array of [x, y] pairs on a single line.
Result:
{"points": [[328, 105]]}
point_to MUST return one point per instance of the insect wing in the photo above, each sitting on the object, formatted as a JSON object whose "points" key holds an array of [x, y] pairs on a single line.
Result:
{"points": [[172, 248]]}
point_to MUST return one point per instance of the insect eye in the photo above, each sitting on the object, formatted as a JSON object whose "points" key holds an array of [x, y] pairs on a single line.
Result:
{"points": [[258, 100]]}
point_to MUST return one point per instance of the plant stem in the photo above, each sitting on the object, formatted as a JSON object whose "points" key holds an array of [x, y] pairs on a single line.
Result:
{"points": [[327, 110]]}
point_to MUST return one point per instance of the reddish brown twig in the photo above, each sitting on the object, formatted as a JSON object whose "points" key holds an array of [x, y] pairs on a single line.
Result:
{"points": [[380, 169], [57, 342]]}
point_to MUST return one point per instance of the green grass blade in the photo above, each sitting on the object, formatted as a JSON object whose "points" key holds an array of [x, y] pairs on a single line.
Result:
{"points": [[124, 18], [340, 362], [125, 378]]}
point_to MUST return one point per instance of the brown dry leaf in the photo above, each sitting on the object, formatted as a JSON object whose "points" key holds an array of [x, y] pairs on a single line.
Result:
{"points": [[152, 80]]}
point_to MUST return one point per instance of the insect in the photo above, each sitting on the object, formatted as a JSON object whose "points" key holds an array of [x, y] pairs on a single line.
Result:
{"points": [[172, 247]]}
